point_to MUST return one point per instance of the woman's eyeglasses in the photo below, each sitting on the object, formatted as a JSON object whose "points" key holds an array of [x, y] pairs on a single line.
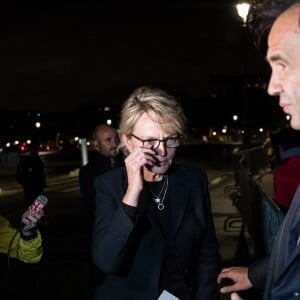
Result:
{"points": [[170, 142]]}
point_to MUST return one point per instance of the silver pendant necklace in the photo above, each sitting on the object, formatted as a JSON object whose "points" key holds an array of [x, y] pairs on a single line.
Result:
{"points": [[159, 199]]}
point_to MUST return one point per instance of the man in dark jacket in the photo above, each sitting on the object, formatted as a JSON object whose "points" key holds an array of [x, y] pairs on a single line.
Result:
{"points": [[281, 274], [105, 157]]}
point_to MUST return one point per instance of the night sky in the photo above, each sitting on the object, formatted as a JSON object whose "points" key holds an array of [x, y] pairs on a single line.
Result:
{"points": [[59, 57]]}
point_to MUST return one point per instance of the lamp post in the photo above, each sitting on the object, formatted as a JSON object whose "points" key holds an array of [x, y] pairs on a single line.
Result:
{"points": [[242, 11]]}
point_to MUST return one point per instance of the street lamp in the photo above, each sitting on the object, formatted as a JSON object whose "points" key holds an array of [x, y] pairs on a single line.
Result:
{"points": [[243, 11], [37, 133]]}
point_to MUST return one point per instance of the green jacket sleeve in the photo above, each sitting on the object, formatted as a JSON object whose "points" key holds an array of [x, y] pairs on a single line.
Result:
{"points": [[29, 251]]}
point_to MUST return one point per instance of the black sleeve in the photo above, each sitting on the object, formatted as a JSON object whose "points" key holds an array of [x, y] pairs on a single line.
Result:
{"points": [[130, 211], [257, 273]]}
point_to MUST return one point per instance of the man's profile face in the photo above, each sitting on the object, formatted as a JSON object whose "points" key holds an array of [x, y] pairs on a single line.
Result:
{"points": [[284, 58]]}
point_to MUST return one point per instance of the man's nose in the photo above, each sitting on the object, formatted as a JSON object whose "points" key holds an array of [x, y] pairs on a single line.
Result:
{"points": [[275, 86]]}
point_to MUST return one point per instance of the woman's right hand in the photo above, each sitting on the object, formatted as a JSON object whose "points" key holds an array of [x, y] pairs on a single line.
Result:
{"points": [[134, 164]]}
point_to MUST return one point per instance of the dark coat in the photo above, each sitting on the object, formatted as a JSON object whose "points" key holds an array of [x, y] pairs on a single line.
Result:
{"points": [[131, 253], [97, 165], [283, 280], [257, 273], [87, 174], [279, 275]]}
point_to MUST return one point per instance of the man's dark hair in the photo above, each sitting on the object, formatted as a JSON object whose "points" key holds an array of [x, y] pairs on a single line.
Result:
{"points": [[262, 16]]}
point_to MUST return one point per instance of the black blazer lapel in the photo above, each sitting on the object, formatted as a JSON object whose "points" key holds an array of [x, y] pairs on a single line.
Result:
{"points": [[180, 195]]}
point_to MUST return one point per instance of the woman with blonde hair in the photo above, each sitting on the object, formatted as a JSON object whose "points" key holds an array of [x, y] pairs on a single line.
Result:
{"points": [[153, 231]]}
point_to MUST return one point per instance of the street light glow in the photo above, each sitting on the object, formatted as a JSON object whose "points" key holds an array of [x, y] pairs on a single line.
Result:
{"points": [[243, 10]]}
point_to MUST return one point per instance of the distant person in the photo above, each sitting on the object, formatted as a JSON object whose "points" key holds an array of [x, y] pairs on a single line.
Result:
{"points": [[31, 175], [105, 157], [279, 275], [154, 231], [287, 170]]}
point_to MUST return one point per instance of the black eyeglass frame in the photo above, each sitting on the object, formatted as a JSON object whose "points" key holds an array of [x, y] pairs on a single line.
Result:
{"points": [[157, 141]]}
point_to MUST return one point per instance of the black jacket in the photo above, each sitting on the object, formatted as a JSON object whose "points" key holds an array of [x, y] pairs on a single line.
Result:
{"points": [[283, 280], [279, 275], [131, 253]]}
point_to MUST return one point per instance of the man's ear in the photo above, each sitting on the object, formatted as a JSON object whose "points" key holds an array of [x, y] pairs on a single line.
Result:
{"points": [[96, 145]]}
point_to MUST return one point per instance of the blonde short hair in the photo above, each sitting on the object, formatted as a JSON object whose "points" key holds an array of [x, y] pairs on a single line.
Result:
{"points": [[158, 104]]}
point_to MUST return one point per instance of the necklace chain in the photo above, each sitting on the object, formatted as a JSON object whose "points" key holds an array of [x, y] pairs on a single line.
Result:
{"points": [[159, 199]]}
